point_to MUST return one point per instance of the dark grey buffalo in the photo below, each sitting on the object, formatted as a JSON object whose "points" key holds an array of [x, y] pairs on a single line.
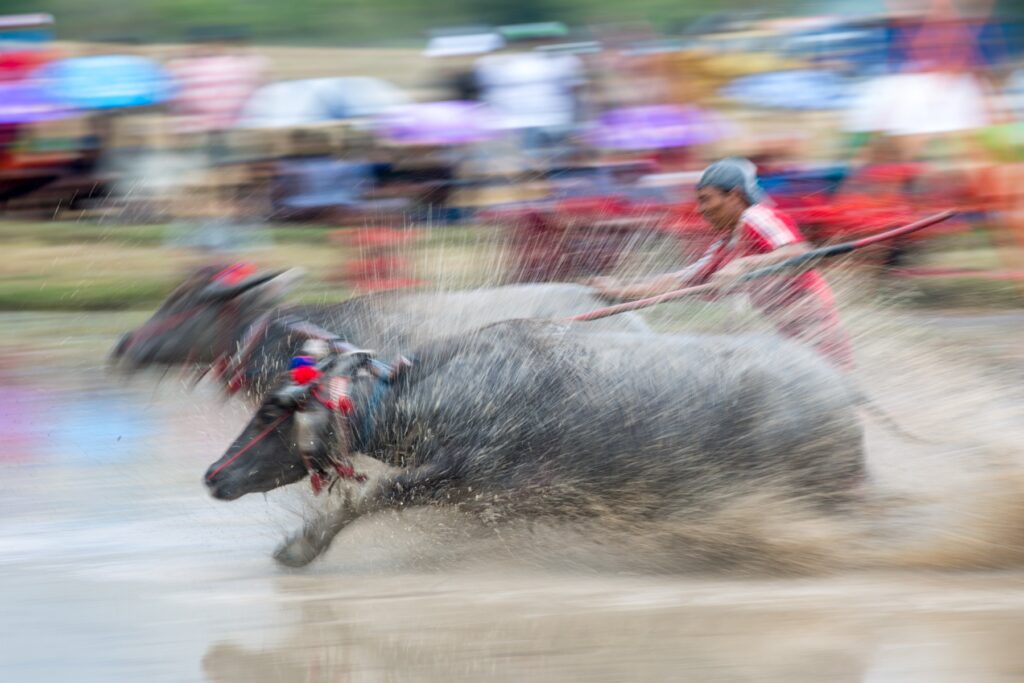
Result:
{"points": [[532, 416], [240, 332]]}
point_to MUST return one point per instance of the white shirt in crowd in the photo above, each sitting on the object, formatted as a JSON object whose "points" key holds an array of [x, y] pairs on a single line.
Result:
{"points": [[919, 104], [530, 89]]}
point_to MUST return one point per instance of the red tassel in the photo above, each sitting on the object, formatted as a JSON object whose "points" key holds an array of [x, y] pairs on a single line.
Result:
{"points": [[235, 273], [236, 383], [317, 481], [344, 405], [304, 374], [348, 472]]}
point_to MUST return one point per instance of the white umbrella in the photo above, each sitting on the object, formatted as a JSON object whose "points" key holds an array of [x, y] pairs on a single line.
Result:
{"points": [[930, 103], [298, 103]]}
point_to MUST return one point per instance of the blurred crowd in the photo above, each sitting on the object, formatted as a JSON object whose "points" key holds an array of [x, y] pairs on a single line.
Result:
{"points": [[855, 123]]}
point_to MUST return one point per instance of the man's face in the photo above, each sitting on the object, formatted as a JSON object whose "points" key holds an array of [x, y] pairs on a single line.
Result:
{"points": [[721, 209]]}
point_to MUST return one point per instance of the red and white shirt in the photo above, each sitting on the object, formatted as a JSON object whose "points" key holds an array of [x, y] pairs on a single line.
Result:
{"points": [[761, 230], [801, 306]]}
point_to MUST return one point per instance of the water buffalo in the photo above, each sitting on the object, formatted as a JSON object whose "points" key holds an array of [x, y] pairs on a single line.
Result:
{"points": [[528, 415], [229, 320]]}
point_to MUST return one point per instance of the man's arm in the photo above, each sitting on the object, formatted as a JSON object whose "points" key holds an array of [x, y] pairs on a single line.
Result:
{"points": [[660, 284], [734, 269], [612, 289]]}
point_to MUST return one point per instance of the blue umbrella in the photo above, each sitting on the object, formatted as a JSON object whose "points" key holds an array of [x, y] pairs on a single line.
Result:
{"points": [[798, 89], [107, 82]]}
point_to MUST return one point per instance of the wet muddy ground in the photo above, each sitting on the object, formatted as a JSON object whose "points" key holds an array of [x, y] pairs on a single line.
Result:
{"points": [[115, 565]]}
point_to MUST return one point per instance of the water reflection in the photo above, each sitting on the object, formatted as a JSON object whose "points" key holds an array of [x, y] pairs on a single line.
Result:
{"points": [[472, 628]]}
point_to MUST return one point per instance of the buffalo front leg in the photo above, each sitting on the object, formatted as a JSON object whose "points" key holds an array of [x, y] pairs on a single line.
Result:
{"points": [[419, 486], [316, 534]]}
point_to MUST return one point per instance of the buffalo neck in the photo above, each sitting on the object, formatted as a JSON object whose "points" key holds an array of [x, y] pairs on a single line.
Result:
{"points": [[369, 396]]}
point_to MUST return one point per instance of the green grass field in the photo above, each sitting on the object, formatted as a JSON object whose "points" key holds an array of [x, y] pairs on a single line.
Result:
{"points": [[90, 267]]}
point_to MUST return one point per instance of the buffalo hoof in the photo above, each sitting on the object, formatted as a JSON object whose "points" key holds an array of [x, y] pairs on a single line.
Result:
{"points": [[296, 552]]}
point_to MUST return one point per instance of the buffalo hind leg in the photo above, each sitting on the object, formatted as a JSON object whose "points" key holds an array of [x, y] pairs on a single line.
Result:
{"points": [[420, 486]]}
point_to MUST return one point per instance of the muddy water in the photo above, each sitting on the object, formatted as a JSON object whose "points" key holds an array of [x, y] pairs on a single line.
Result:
{"points": [[115, 565]]}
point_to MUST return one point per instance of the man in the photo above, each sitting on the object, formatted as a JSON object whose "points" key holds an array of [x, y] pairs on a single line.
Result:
{"points": [[755, 235]]}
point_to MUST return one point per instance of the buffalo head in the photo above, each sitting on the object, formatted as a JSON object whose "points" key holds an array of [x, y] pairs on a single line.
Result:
{"points": [[201, 318], [298, 430]]}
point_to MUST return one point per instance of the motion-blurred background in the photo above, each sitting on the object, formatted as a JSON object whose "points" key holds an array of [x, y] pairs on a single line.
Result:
{"points": [[569, 129], [392, 144]]}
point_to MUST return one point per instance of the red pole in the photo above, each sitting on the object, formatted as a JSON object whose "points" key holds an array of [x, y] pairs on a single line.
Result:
{"points": [[899, 232], [802, 259], [642, 303]]}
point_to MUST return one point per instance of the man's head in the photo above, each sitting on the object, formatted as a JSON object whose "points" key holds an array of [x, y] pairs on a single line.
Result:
{"points": [[725, 190]]}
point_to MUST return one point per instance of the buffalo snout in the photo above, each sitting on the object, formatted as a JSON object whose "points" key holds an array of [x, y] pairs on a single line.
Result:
{"points": [[219, 484], [117, 353], [122, 345]]}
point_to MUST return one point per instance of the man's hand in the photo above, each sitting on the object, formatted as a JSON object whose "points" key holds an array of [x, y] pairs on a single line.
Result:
{"points": [[727, 275], [601, 283], [611, 288], [607, 287]]}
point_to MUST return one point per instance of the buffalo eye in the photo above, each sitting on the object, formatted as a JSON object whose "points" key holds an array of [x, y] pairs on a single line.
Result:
{"points": [[271, 412]]}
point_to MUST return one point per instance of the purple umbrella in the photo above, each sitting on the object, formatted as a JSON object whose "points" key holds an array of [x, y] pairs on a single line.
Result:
{"points": [[437, 123], [655, 127], [25, 102]]}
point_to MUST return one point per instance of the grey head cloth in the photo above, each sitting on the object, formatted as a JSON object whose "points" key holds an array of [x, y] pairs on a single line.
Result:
{"points": [[731, 173]]}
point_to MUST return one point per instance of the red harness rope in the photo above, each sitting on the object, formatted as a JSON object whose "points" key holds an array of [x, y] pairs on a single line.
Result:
{"points": [[344, 470], [259, 437]]}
